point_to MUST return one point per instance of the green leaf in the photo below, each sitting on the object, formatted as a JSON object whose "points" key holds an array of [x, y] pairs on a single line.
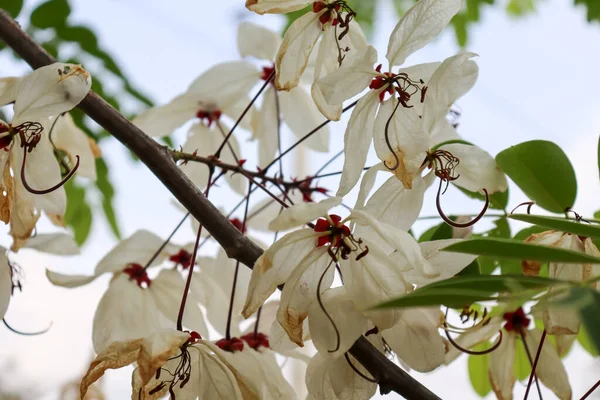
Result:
{"points": [[560, 224], [108, 193], [471, 269], [453, 141], [498, 200], [584, 340], [78, 215], [517, 8], [516, 250], [589, 309], [525, 233], [428, 234], [543, 172], [51, 14], [13, 7], [593, 9], [459, 291], [80, 34], [478, 370]]}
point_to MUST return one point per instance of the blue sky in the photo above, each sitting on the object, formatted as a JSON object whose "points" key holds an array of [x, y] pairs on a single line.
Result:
{"points": [[538, 80]]}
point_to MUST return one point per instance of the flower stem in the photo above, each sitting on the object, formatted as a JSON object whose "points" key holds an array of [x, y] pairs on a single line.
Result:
{"points": [[164, 244], [533, 364]]}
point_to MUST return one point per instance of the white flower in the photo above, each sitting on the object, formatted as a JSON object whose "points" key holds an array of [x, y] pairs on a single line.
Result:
{"points": [[134, 305], [305, 261], [295, 107]]}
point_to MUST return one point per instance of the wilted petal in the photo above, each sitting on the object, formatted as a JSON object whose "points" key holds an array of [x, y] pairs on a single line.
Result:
{"points": [[294, 52], [422, 23], [68, 137], [50, 90], [564, 320], [374, 279], [416, 339], [60, 244], [276, 6], [549, 369], [216, 379], [313, 274], [302, 213], [125, 312], [5, 282], [477, 169], [138, 248], [8, 89], [275, 266], [351, 79], [163, 120], [357, 141], [257, 41], [501, 367], [546, 238], [302, 116], [350, 322], [453, 78], [167, 289]]}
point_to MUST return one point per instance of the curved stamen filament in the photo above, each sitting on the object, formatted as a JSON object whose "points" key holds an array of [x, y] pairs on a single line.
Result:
{"points": [[387, 140], [53, 188], [473, 352], [335, 328], [456, 224], [366, 378], [10, 328], [529, 205]]}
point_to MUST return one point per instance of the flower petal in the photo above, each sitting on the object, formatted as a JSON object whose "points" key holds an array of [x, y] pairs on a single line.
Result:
{"points": [[294, 52], [453, 78], [125, 312], [69, 281], [501, 370], [257, 41], [50, 90], [357, 141], [138, 248], [265, 128], [72, 140], [302, 116], [8, 89], [275, 266], [60, 244], [302, 213], [422, 23], [371, 280], [550, 370], [276, 6], [163, 120], [366, 185], [470, 339], [314, 273], [348, 322], [416, 339], [349, 80]]}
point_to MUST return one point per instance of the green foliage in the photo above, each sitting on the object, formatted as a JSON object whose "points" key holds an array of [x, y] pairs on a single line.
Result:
{"points": [[51, 14], [478, 370], [108, 192], [522, 364], [518, 8], [587, 301], [593, 9], [517, 250], [13, 7], [498, 200], [459, 291], [559, 224], [79, 214], [584, 340], [543, 172]]}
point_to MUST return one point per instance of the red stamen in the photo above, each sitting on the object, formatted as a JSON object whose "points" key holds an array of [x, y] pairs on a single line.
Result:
{"points": [[231, 345], [256, 341], [183, 258], [267, 71], [209, 116], [516, 321], [318, 6], [338, 230], [194, 337], [238, 224], [138, 273]]}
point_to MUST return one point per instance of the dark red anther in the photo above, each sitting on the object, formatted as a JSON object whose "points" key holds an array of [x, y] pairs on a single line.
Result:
{"points": [[377, 83], [325, 17], [423, 92], [256, 341], [267, 71], [231, 345], [183, 258], [238, 224], [194, 337], [5, 141], [138, 273], [319, 6], [209, 115], [378, 69], [516, 321]]}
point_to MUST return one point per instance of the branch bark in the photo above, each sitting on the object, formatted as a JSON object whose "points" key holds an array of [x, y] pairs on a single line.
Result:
{"points": [[157, 158]]}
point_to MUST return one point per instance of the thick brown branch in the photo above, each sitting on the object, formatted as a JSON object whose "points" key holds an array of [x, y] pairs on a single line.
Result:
{"points": [[160, 162]]}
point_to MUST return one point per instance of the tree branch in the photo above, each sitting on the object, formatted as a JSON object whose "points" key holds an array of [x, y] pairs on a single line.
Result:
{"points": [[236, 245]]}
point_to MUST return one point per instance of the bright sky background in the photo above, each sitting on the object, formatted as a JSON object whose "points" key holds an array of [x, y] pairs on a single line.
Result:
{"points": [[538, 80]]}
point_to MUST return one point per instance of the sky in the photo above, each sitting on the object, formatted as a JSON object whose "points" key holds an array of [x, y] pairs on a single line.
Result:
{"points": [[538, 80]]}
